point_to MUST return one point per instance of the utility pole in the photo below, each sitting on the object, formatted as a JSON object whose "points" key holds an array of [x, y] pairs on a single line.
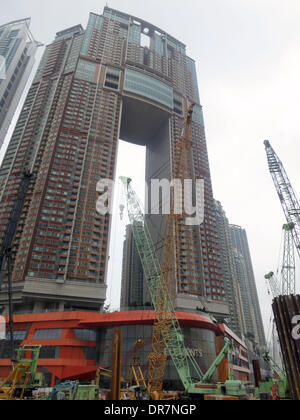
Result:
{"points": [[6, 250], [115, 386], [11, 308]]}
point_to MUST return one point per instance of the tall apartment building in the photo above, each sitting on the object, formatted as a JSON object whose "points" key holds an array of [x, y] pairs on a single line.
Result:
{"points": [[93, 87], [132, 290], [17, 51], [241, 273], [252, 312], [235, 319]]}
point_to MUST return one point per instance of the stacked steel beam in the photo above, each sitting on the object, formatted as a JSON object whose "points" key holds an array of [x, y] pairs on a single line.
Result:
{"points": [[287, 312]]}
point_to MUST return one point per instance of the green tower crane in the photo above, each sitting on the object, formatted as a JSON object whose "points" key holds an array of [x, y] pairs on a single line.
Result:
{"points": [[182, 358]]}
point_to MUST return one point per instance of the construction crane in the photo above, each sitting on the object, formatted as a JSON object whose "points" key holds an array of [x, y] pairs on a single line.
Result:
{"points": [[274, 284], [279, 371], [173, 338], [137, 380], [277, 387], [136, 375], [162, 276], [286, 283], [170, 267], [166, 269], [288, 269], [286, 194], [157, 283]]}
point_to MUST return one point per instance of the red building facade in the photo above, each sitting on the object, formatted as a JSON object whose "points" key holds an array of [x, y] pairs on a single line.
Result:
{"points": [[74, 344]]}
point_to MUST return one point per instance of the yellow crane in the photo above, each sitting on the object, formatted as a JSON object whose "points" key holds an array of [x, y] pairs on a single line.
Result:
{"points": [[136, 374], [170, 270]]}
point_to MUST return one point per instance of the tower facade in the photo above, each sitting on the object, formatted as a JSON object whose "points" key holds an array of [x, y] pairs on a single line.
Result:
{"points": [[17, 51], [244, 266], [132, 293], [121, 78], [236, 319]]}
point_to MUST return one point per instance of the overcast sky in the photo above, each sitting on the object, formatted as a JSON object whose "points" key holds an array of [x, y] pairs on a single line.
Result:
{"points": [[248, 62]]}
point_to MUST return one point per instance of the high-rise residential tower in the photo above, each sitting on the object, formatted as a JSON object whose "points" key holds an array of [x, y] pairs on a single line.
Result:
{"points": [[120, 78], [241, 273], [17, 51], [246, 277], [132, 293], [235, 319]]}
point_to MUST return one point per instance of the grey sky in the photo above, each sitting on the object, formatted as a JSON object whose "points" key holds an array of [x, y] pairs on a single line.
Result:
{"points": [[248, 62]]}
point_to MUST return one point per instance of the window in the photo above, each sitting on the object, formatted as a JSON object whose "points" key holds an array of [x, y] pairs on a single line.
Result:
{"points": [[53, 334], [14, 33], [177, 104], [149, 87], [86, 70], [49, 352], [135, 33], [85, 335], [90, 353], [145, 39], [18, 335], [112, 78]]}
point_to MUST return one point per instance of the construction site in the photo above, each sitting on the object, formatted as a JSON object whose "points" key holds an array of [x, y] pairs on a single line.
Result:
{"points": [[189, 325]]}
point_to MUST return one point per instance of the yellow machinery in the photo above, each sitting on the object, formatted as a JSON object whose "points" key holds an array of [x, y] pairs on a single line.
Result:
{"points": [[137, 379], [136, 375], [24, 375], [20, 375]]}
